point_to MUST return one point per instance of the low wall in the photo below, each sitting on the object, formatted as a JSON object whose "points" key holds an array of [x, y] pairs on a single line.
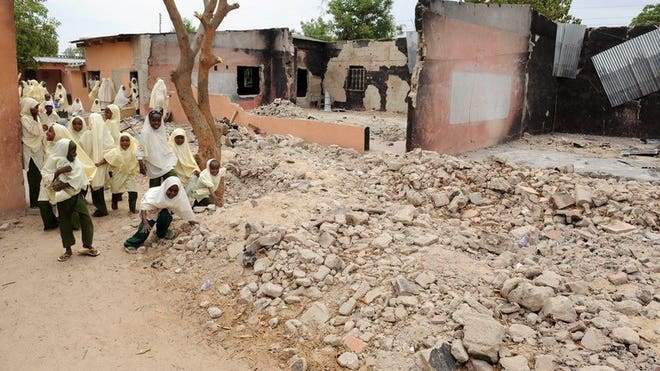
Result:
{"points": [[325, 133]]}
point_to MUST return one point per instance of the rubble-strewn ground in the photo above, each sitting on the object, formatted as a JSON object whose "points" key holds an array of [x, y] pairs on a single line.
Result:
{"points": [[323, 258]]}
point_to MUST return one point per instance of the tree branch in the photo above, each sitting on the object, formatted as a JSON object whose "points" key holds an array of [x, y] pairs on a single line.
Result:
{"points": [[180, 28]]}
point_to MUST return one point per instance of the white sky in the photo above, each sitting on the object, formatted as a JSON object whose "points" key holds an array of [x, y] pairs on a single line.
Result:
{"points": [[95, 18]]}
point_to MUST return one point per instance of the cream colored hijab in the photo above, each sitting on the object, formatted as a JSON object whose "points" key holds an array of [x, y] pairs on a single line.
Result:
{"points": [[33, 142], [60, 91], [124, 160], [156, 199], [62, 132], [96, 106], [155, 149], [77, 135], [186, 163], [114, 122], [77, 178], [209, 180]]}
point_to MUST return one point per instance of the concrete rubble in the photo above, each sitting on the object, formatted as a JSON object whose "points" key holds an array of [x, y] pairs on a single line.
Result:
{"points": [[408, 261]]}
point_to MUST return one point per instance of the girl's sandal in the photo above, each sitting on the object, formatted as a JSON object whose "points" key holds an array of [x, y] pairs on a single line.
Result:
{"points": [[64, 257], [89, 251]]}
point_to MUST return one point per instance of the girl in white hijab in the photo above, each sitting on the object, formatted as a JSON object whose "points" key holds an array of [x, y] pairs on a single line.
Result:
{"points": [[94, 93], [202, 189], [112, 120], [77, 127], [60, 93], [121, 99], [124, 166], [155, 156], [33, 137], [96, 142], [106, 92], [68, 181], [168, 196], [96, 106], [77, 108], [186, 166], [158, 99]]}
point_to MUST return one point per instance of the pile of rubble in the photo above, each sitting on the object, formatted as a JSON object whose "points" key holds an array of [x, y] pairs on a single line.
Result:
{"points": [[426, 261], [281, 108]]}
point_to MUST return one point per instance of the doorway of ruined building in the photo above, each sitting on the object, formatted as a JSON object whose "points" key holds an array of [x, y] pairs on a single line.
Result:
{"points": [[247, 80], [301, 89]]}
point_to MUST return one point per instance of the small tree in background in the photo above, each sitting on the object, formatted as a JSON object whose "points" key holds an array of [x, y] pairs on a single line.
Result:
{"points": [[188, 24], [198, 111], [353, 20], [74, 51], [36, 33], [650, 15], [555, 10]]}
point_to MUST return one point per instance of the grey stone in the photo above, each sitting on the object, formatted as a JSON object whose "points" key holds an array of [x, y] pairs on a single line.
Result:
{"points": [[317, 314], [550, 279], [333, 261], [438, 359], [382, 241], [599, 198], [504, 260], [298, 364], [628, 307], [520, 333], [408, 301], [559, 308], [593, 340], [527, 295], [439, 199], [272, 290], [595, 368], [269, 240], [321, 273], [579, 287], [234, 250], [404, 287], [424, 280], [544, 362], [457, 203], [261, 265], [459, 352], [349, 360], [405, 215], [214, 312], [499, 185], [482, 338], [245, 295], [625, 335], [563, 200], [357, 217], [326, 240], [415, 198], [425, 240], [479, 365], [615, 363], [517, 363], [347, 307]]}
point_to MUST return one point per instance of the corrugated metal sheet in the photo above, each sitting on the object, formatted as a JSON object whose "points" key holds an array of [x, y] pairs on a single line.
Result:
{"points": [[568, 46], [630, 70]]}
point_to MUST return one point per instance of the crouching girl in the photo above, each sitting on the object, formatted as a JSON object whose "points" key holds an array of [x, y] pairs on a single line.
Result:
{"points": [[170, 195]]}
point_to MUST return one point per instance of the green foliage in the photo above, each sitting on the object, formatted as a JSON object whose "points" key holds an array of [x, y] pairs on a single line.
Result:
{"points": [[353, 20], [188, 24], [650, 15], [318, 29], [73, 51], [555, 10], [36, 33]]}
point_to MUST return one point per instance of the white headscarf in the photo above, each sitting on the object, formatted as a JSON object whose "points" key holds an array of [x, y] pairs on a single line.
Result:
{"points": [[186, 164], [121, 99], [62, 132], [76, 178], [94, 93], [114, 122], [96, 142], [77, 135], [155, 151], [158, 99], [96, 106], [135, 92], [32, 134], [106, 91], [199, 187], [60, 91], [156, 199], [77, 107]]}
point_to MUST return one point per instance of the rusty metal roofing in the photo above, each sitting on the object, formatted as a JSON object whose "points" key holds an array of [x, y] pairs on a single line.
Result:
{"points": [[568, 46], [630, 70]]}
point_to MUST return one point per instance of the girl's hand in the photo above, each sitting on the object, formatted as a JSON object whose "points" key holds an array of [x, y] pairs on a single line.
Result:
{"points": [[143, 168]]}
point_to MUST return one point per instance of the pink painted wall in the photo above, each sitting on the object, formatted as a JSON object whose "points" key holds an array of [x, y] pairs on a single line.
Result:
{"points": [[12, 190], [471, 86]]}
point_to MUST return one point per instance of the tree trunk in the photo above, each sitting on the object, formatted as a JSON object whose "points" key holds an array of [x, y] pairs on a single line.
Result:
{"points": [[198, 111]]}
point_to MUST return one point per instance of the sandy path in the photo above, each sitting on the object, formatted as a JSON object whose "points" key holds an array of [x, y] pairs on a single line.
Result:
{"points": [[91, 313]]}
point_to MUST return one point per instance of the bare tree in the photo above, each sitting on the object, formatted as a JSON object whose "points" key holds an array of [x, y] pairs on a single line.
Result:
{"points": [[198, 111]]}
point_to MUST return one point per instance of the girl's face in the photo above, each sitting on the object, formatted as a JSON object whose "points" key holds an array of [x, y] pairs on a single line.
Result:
{"points": [[124, 142], [77, 125], [71, 155], [214, 168], [50, 134], [172, 191], [107, 113], [179, 139], [154, 120], [34, 110]]}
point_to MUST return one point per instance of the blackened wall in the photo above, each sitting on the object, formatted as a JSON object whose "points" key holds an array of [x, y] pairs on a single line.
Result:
{"points": [[582, 105], [542, 87]]}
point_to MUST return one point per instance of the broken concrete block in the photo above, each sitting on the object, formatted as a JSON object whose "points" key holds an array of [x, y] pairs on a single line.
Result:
{"points": [[582, 195], [563, 200], [618, 227], [618, 278]]}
